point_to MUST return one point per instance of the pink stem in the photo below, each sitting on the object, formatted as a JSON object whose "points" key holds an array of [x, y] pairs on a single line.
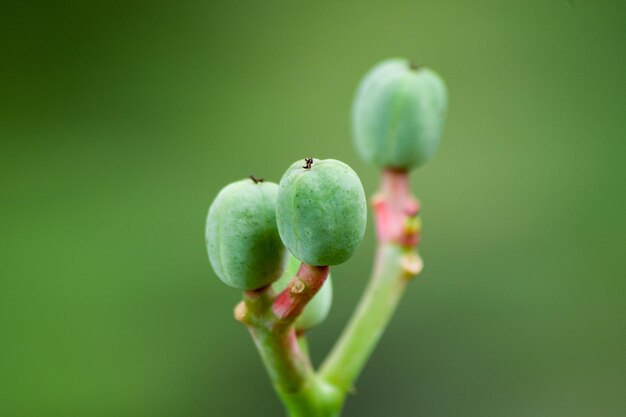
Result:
{"points": [[307, 282], [393, 206]]}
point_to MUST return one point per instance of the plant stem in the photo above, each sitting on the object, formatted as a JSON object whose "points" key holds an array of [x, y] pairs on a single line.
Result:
{"points": [[301, 391], [270, 321], [317, 398], [300, 290], [277, 344], [396, 262], [369, 320]]}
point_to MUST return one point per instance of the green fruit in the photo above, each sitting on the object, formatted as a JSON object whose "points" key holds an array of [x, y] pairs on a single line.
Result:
{"points": [[398, 114], [317, 309], [244, 247], [321, 211]]}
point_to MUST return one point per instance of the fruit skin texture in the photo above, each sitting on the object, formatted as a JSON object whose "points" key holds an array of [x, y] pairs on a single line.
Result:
{"points": [[321, 211], [318, 308], [398, 114], [242, 239]]}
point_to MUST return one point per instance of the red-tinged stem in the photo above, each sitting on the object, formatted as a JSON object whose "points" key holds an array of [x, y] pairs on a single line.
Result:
{"points": [[396, 262], [300, 290], [393, 206]]}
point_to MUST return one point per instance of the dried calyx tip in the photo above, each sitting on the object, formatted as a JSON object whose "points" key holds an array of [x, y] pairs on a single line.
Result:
{"points": [[308, 162], [241, 312], [414, 66], [296, 286], [256, 179]]}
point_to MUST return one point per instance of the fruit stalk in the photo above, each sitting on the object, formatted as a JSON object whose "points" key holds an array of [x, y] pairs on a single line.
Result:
{"points": [[292, 300], [396, 263]]}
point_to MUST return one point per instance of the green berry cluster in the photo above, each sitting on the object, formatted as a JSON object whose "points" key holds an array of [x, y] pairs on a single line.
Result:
{"points": [[317, 213], [258, 232]]}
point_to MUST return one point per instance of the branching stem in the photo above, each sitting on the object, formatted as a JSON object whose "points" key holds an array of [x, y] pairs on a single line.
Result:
{"points": [[270, 319], [398, 228]]}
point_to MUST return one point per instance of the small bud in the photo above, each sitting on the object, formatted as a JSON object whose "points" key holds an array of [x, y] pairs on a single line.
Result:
{"points": [[398, 114]]}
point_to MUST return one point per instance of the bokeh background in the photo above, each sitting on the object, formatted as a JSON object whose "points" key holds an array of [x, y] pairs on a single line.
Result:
{"points": [[121, 120]]}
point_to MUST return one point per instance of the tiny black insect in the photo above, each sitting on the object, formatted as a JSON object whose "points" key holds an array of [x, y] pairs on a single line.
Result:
{"points": [[308, 162]]}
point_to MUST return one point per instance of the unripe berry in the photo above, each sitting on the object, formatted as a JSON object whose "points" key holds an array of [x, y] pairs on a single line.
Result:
{"points": [[244, 247], [398, 114], [321, 211], [318, 308]]}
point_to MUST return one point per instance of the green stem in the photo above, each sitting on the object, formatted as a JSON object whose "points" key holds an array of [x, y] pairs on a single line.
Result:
{"points": [[270, 321], [317, 398], [398, 230], [286, 359], [350, 353], [287, 366], [276, 342]]}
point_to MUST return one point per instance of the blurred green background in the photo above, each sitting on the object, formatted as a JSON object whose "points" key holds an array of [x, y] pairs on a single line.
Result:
{"points": [[120, 121]]}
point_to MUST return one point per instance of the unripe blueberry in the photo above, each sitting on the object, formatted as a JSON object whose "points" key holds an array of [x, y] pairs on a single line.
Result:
{"points": [[318, 308], [244, 247], [321, 211], [398, 114]]}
